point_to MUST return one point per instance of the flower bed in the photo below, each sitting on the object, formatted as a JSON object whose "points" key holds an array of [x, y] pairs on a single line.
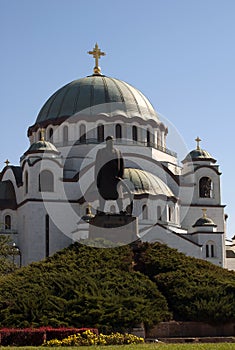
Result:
{"points": [[89, 338]]}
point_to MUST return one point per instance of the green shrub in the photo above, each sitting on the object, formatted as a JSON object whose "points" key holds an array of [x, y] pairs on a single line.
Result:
{"points": [[113, 289]]}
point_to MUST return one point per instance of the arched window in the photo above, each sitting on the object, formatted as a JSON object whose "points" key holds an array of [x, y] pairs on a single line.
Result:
{"points": [[87, 210], [134, 133], [148, 138], [82, 133], [51, 135], [46, 181], [47, 235], [118, 131], [26, 182], [144, 212], [205, 187], [7, 222], [39, 135], [100, 133], [65, 135], [210, 250]]}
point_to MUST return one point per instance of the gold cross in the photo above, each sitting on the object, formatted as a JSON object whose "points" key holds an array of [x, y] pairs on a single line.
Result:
{"points": [[97, 53], [204, 210], [7, 162], [198, 140]]}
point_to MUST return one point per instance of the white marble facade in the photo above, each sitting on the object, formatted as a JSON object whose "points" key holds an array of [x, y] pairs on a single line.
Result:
{"points": [[45, 198]]}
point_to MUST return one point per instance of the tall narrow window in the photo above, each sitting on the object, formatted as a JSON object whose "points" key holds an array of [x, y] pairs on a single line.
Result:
{"points": [[118, 131], [39, 136], [26, 182], [65, 135], [210, 250], [7, 222], [51, 135], [82, 133], [159, 213], [205, 187], [159, 139], [148, 138], [169, 213], [134, 133], [100, 133], [47, 235], [144, 212], [46, 181]]}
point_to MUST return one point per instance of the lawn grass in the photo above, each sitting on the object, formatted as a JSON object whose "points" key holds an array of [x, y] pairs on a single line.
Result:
{"points": [[205, 346]]}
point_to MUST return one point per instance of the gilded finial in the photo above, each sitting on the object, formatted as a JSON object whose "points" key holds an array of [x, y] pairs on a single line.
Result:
{"points": [[7, 162], [97, 53], [198, 140], [88, 209], [204, 210], [42, 134]]}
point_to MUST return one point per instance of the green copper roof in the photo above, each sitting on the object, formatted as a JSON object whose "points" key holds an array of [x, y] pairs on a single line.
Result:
{"points": [[198, 154], [96, 90], [140, 182], [146, 182], [42, 146], [204, 221]]}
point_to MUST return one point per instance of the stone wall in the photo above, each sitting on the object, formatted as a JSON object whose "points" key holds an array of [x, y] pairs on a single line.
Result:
{"points": [[190, 329]]}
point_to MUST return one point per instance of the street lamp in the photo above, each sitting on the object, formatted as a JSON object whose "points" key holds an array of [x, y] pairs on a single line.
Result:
{"points": [[16, 251]]}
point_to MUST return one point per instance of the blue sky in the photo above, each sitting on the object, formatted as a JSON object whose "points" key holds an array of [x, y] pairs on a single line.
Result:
{"points": [[179, 53]]}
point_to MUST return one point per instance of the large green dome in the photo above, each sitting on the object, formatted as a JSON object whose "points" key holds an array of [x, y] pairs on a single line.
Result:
{"points": [[97, 94]]}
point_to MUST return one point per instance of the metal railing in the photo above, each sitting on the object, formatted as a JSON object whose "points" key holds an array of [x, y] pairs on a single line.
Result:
{"points": [[120, 142]]}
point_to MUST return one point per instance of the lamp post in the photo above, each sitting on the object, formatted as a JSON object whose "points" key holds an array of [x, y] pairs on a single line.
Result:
{"points": [[16, 251]]}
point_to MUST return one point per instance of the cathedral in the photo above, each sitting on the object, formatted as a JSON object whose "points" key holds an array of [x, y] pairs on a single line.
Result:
{"points": [[47, 201]]}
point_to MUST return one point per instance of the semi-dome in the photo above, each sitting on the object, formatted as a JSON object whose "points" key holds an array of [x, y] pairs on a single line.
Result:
{"points": [[140, 182], [96, 94], [145, 182]]}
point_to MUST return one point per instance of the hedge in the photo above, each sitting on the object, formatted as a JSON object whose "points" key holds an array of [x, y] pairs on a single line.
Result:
{"points": [[36, 336]]}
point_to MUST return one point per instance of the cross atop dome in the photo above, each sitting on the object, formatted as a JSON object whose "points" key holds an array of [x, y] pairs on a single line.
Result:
{"points": [[198, 140], [97, 53], [204, 211], [7, 162]]}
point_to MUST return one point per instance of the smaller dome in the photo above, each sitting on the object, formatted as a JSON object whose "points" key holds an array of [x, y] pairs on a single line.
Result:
{"points": [[204, 221], [198, 155], [42, 146], [140, 182]]}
